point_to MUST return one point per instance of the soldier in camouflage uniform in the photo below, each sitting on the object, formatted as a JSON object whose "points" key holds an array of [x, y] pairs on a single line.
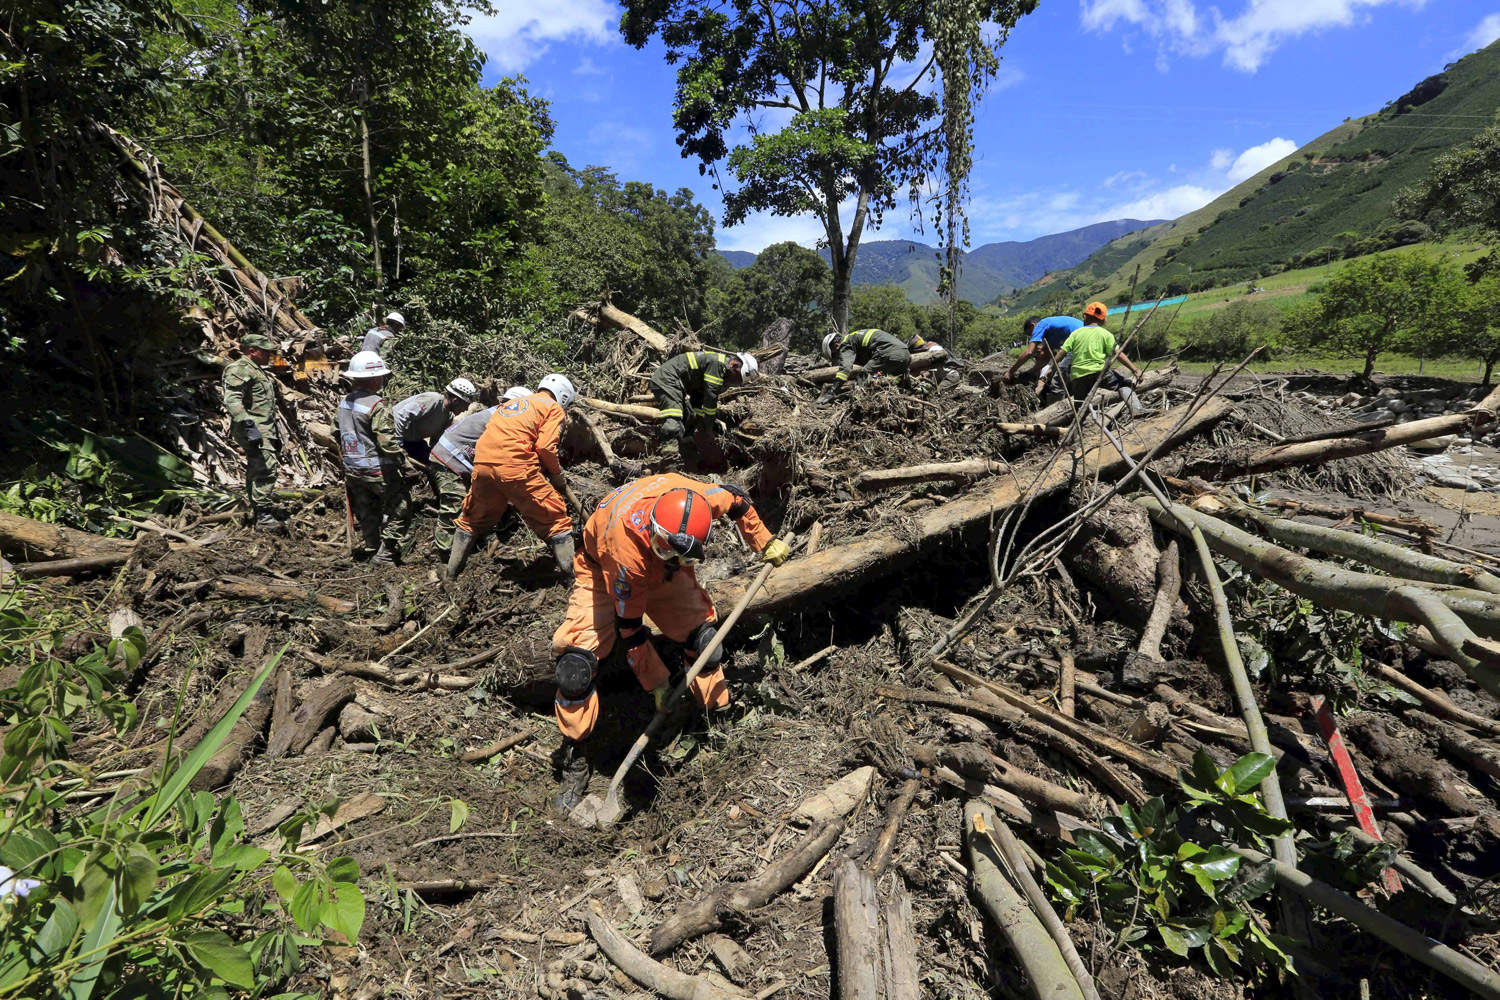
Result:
{"points": [[374, 461], [250, 398]]}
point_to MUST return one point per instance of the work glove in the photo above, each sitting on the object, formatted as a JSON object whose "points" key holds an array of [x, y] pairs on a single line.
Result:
{"points": [[252, 432], [776, 552], [660, 694], [827, 396]]}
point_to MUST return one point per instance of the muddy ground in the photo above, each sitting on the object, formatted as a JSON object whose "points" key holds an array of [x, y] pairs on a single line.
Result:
{"points": [[709, 805]]}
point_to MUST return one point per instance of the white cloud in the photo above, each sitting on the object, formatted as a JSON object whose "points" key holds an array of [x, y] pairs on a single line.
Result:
{"points": [[763, 229], [1129, 194], [518, 33], [1484, 33], [1246, 38], [587, 67], [1257, 158], [1168, 204]]}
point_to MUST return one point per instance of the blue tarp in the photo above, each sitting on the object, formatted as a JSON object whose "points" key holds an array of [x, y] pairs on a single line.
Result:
{"points": [[1146, 306]]}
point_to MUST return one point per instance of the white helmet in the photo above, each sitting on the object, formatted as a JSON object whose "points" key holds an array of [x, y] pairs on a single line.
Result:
{"points": [[366, 364], [516, 392], [395, 317], [749, 367], [561, 389], [463, 389], [828, 345]]}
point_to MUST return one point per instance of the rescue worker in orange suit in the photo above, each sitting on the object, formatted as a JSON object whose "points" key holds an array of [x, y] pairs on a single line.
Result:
{"points": [[639, 550], [516, 464]]}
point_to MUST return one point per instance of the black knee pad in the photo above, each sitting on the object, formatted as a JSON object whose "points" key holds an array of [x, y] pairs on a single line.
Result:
{"points": [[699, 640], [576, 668]]}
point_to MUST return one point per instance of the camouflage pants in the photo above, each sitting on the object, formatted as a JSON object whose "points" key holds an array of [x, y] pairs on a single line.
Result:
{"points": [[382, 510], [261, 466], [451, 488]]}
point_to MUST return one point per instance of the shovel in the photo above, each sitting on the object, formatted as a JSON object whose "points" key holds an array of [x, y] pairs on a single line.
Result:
{"points": [[606, 810]]}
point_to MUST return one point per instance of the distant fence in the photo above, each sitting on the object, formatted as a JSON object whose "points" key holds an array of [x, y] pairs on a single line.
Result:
{"points": [[1140, 306]]}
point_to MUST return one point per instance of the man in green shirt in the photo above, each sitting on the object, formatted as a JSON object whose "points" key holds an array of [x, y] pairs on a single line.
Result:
{"points": [[249, 395], [1090, 347]]}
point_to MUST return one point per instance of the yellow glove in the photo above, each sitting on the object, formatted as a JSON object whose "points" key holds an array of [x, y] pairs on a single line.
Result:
{"points": [[661, 692], [776, 552]]}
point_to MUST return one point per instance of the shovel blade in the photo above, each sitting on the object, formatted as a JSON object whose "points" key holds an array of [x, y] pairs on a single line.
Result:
{"points": [[596, 810]]}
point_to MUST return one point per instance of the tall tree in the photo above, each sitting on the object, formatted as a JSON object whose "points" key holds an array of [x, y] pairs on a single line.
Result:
{"points": [[1477, 332], [1406, 300], [786, 281], [864, 124]]}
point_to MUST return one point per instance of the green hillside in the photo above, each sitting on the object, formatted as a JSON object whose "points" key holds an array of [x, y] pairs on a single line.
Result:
{"points": [[1329, 200]]}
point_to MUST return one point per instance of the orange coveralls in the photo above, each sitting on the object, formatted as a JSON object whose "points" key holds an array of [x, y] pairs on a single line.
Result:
{"points": [[618, 580], [518, 446]]}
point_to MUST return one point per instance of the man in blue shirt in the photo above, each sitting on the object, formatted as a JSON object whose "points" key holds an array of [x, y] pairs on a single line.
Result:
{"points": [[1046, 338]]}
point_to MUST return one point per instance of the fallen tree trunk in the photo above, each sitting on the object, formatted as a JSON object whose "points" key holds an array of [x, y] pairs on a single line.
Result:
{"points": [[839, 568], [621, 409], [1032, 430], [1394, 559], [71, 567], [603, 312], [1449, 613], [1168, 586], [856, 928], [35, 540], [704, 915], [1434, 700], [230, 757], [1415, 525], [261, 590], [309, 719], [1448, 962], [1035, 952], [1283, 456], [887, 479], [642, 969], [1061, 412]]}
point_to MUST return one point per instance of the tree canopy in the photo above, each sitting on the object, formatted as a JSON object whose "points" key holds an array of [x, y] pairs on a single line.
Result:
{"points": [[849, 83]]}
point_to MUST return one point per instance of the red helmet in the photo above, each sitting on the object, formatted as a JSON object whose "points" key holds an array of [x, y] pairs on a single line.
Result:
{"points": [[680, 524]]}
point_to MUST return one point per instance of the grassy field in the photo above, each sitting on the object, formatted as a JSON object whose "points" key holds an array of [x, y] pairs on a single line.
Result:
{"points": [[1289, 288], [1458, 369]]}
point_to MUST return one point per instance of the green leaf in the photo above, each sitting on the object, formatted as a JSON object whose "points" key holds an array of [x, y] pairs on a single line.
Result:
{"points": [[343, 870], [1188, 850], [1205, 774], [1195, 933], [1221, 864], [284, 882], [1253, 881], [177, 782], [346, 912], [458, 816], [1152, 815], [242, 858], [95, 887], [1173, 940], [218, 954], [306, 905], [1246, 773], [96, 942], [56, 933], [1095, 844], [137, 878], [196, 892]]}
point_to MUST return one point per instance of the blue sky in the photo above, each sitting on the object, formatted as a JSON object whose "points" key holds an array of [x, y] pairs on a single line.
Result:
{"points": [[1103, 109]]}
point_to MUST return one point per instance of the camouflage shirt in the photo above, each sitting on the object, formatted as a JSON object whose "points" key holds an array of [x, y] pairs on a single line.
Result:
{"points": [[249, 391]]}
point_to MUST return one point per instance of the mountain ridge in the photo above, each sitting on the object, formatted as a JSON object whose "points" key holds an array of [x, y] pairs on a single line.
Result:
{"points": [[1329, 199], [989, 271]]}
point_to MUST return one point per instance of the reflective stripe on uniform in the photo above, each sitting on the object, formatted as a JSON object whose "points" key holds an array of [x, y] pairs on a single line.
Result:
{"points": [[669, 412], [361, 457]]}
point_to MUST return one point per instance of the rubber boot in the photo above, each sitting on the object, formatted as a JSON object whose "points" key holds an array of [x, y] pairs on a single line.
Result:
{"points": [[463, 545], [562, 551], [266, 521], [574, 772], [385, 555]]}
